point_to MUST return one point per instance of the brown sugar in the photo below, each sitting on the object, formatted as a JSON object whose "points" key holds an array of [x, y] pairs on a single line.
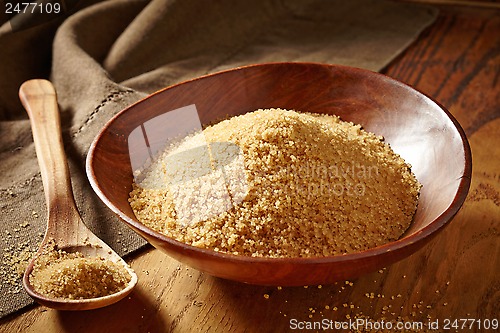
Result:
{"points": [[59, 274], [297, 185]]}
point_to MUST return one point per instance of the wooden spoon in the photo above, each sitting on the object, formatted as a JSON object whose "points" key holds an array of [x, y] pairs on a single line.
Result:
{"points": [[64, 226]]}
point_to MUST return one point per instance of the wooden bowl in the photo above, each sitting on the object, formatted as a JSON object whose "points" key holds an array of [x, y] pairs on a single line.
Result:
{"points": [[419, 129]]}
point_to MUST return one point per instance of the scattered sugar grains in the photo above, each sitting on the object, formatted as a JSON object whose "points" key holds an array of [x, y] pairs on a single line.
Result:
{"points": [[58, 274], [314, 186]]}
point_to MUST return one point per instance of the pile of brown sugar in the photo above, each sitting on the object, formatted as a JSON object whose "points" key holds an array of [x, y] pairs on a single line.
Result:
{"points": [[312, 185], [59, 274]]}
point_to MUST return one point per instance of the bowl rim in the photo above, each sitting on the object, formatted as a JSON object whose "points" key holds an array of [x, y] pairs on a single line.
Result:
{"points": [[421, 236]]}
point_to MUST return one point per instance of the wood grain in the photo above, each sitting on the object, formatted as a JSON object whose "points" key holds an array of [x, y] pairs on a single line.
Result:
{"points": [[456, 275], [457, 62], [473, 3]]}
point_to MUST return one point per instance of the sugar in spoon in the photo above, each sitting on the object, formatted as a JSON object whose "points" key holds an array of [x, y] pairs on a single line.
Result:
{"points": [[65, 227]]}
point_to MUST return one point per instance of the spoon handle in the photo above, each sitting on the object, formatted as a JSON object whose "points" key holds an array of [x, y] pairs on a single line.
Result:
{"points": [[40, 101]]}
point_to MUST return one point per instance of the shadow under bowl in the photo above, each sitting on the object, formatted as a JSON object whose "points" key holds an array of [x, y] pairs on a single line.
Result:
{"points": [[417, 128]]}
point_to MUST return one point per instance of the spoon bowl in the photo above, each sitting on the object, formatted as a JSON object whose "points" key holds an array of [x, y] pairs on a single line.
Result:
{"points": [[65, 227]]}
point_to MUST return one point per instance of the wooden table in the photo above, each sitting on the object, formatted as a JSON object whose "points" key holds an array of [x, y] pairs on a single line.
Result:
{"points": [[456, 276]]}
